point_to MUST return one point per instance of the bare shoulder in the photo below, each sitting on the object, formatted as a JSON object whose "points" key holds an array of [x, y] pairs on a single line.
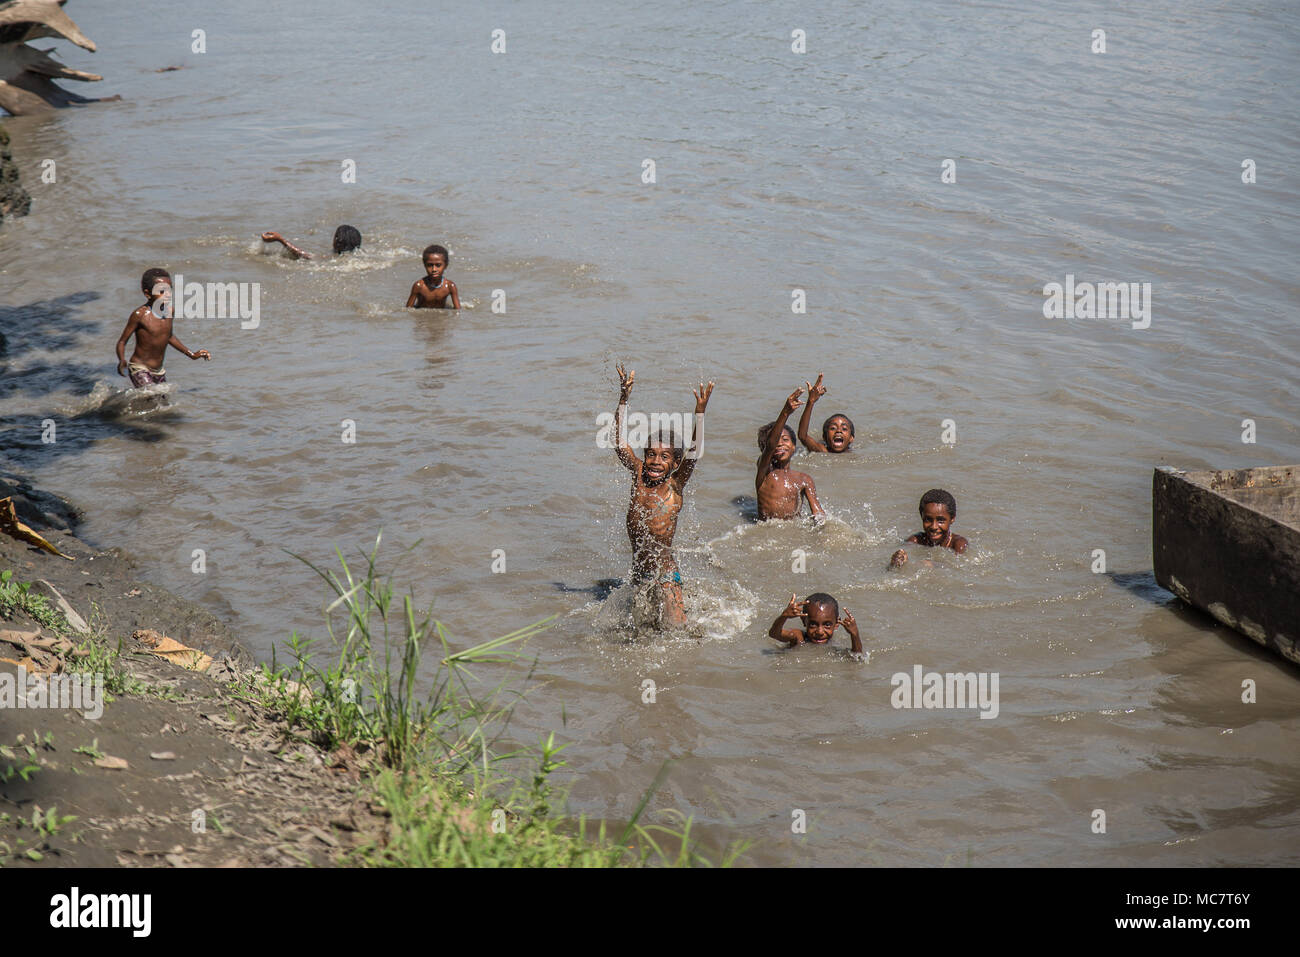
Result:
{"points": [[803, 479], [959, 544]]}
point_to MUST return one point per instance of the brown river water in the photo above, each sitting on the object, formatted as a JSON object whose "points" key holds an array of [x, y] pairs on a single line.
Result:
{"points": [[775, 171]]}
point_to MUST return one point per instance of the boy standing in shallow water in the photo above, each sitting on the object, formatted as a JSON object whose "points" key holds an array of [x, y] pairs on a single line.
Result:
{"points": [[776, 485], [151, 324], [656, 500], [821, 616], [837, 431], [938, 512], [434, 290]]}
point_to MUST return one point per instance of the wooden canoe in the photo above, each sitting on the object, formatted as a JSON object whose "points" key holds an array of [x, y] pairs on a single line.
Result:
{"points": [[1228, 543]]}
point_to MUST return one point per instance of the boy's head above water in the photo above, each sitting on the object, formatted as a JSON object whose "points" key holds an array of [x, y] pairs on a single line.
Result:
{"points": [[151, 278], [938, 512], [436, 260], [821, 617], [838, 433], [346, 239], [661, 457], [784, 445]]}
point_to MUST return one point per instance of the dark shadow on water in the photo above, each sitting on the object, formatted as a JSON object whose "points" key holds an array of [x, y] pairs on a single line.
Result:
{"points": [[747, 506], [601, 590], [1142, 585]]}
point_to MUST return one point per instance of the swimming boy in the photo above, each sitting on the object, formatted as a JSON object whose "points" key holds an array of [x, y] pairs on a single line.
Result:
{"points": [[776, 485], [656, 500], [821, 616], [346, 240], [151, 324], [837, 431], [435, 289], [938, 512]]}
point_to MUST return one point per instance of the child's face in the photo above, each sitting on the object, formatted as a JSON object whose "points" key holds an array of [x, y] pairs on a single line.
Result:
{"points": [[784, 449], [936, 521], [659, 464], [819, 623], [434, 265], [839, 433]]}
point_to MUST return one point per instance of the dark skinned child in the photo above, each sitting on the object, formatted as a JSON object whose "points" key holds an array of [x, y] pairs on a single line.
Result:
{"points": [[346, 240], [658, 483], [938, 512], [777, 486], [837, 431], [434, 291], [151, 324], [820, 615]]}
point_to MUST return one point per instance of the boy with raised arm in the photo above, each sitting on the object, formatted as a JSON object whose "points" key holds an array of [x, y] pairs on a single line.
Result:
{"points": [[776, 485], [151, 324], [837, 431], [658, 482], [821, 616]]}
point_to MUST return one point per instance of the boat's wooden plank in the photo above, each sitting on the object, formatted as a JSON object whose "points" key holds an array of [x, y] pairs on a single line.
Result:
{"points": [[1227, 542]]}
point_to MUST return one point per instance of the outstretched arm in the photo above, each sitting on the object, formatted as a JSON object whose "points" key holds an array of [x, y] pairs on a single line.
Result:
{"points": [[773, 437], [815, 392], [273, 237], [779, 633], [177, 344], [621, 448], [683, 473], [851, 626], [132, 321]]}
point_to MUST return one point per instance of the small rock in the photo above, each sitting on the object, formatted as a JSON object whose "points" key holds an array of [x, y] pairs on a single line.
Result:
{"points": [[112, 763], [163, 755]]}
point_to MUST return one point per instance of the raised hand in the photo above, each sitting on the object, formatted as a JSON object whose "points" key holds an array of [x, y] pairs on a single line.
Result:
{"points": [[850, 623], [270, 237], [202, 354], [793, 402], [795, 609], [702, 396], [816, 390], [625, 380]]}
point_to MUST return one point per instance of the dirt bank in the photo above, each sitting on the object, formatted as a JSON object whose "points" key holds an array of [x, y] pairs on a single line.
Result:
{"points": [[203, 778]]}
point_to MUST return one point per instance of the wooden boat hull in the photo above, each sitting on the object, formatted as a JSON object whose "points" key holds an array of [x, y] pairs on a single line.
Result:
{"points": [[1228, 543]]}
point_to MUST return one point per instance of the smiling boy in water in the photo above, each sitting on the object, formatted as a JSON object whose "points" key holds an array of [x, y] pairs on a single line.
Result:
{"points": [[151, 324], [435, 289], [821, 616], [658, 482], [938, 512], [776, 485], [837, 431]]}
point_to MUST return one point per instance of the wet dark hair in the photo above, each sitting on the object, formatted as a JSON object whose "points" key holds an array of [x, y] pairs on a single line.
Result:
{"points": [[435, 249], [346, 239], [150, 277], [938, 496], [821, 598], [766, 430], [826, 427]]}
